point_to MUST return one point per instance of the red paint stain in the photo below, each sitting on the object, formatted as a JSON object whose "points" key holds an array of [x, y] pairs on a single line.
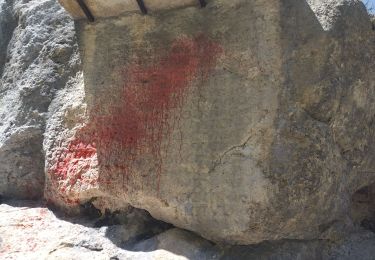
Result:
{"points": [[152, 93], [143, 118], [72, 162], [75, 160]]}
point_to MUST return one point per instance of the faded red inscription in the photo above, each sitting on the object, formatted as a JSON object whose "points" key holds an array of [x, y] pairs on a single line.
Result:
{"points": [[146, 113]]}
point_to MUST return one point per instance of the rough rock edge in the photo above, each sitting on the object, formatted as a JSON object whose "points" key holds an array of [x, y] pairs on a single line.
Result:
{"points": [[42, 56]]}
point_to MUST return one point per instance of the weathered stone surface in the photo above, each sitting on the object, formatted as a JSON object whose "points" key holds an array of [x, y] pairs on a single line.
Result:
{"points": [[31, 231], [38, 55], [182, 243], [7, 24], [243, 121]]}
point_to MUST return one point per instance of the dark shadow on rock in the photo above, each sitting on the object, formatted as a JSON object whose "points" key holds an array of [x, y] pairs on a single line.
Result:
{"points": [[82, 219], [363, 207], [8, 23], [133, 227], [22, 203], [285, 249]]}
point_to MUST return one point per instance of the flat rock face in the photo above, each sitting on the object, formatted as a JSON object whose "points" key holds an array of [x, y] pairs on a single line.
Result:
{"points": [[171, 121], [243, 121]]}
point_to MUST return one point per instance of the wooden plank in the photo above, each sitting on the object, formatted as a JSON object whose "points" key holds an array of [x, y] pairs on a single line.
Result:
{"points": [[109, 8]]}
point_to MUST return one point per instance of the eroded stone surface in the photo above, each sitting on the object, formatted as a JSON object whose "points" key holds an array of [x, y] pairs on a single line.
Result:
{"points": [[38, 56], [28, 230], [243, 121]]}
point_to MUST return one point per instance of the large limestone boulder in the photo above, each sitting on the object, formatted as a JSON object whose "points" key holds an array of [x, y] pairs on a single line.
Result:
{"points": [[243, 121]]}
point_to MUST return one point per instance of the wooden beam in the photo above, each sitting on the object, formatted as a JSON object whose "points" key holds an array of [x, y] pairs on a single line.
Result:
{"points": [[142, 6], [86, 10]]}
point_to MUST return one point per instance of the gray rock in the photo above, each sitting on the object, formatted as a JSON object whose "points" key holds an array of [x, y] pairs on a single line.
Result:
{"points": [[31, 231], [180, 242], [244, 121], [38, 55], [7, 26]]}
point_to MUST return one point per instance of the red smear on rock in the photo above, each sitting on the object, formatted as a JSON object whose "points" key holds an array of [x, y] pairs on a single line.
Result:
{"points": [[74, 160], [152, 93], [142, 120]]}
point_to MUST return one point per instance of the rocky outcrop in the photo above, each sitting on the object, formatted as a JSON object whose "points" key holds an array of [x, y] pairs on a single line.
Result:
{"points": [[38, 56], [243, 121]]}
